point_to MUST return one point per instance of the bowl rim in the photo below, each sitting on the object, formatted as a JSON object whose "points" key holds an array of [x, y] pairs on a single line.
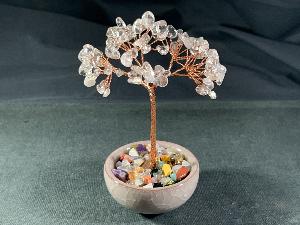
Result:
{"points": [[194, 171]]}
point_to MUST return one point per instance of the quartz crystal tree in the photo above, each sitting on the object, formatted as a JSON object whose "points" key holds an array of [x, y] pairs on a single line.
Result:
{"points": [[188, 57]]}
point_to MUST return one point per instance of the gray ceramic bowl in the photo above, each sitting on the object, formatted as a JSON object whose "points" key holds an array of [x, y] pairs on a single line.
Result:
{"points": [[156, 200]]}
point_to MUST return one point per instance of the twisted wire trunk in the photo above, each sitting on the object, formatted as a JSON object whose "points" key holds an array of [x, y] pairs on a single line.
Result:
{"points": [[153, 126]]}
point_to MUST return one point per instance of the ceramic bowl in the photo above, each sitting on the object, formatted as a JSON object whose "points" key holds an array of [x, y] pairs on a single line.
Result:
{"points": [[156, 200]]}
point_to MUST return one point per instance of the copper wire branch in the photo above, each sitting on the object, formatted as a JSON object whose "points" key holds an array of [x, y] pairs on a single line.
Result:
{"points": [[188, 65]]}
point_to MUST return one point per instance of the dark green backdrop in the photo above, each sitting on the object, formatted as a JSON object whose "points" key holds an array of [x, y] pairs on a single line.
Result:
{"points": [[55, 133]]}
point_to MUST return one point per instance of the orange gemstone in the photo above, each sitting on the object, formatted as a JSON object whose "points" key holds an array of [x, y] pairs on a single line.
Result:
{"points": [[182, 172], [147, 179], [128, 158], [131, 175], [139, 169]]}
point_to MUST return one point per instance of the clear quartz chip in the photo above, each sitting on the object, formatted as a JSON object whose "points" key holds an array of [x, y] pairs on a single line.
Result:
{"points": [[112, 52], [172, 32], [208, 83], [126, 59], [148, 19], [120, 22], [101, 87], [85, 52], [89, 81], [162, 49], [119, 72], [212, 95], [138, 26], [202, 90], [106, 92]]}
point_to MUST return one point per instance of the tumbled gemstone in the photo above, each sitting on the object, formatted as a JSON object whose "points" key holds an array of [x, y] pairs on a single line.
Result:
{"points": [[166, 181], [142, 41], [172, 32], [134, 79], [182, 173], [120, 22], [220, 74], [161, 81], [85, 52], [148, 72], [159, 29], [122, 175], [146, 49], [101, 87], [141, 148], [134, 52], [173, 176], [212, 95], [208, 83], [138, 26], [89, 81], [112, 52], [84, 69], [108, 70], [186, 164], [162, 49], [148, 19], [159, 70], [126, 59], [133, 152], [202, 90], [119, 72], [138, 162]]}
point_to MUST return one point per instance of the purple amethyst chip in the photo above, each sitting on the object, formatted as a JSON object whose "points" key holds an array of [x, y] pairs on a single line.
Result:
{"points": [[141, 148], [121, 174]]}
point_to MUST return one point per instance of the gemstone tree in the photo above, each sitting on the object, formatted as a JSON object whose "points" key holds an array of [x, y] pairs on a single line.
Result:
{"points": [[189, 57]]}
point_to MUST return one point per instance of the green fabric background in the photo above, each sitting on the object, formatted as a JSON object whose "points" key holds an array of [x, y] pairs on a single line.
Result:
{"points": [[52, 154]]}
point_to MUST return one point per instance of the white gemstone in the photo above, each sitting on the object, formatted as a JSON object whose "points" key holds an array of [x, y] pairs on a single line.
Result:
{"points": [[148, 73], [212, 95], [96, 57], [148, 19], [172, 32], [84, 69], [221, 70], [134, 78], [108, 70], [138, 162], [134, 52], [162, 49], [160, 26], [126, 59], [146, 49], [138, 26], [89, 81], [120, 22], [208, 83], [202, 90], [161, 81], [119, 72], [133, 152], [112, 52], [106, 92], [143, 40], [159, 70], [85, 52], [101, 87]]}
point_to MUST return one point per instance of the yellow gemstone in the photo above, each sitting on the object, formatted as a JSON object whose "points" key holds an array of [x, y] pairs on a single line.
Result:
{"points": [[167, 170], [165, 158]]}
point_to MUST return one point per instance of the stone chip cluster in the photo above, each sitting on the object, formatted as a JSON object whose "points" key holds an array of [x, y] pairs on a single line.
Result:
{"points": [[127, 43], [133, 167]]}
